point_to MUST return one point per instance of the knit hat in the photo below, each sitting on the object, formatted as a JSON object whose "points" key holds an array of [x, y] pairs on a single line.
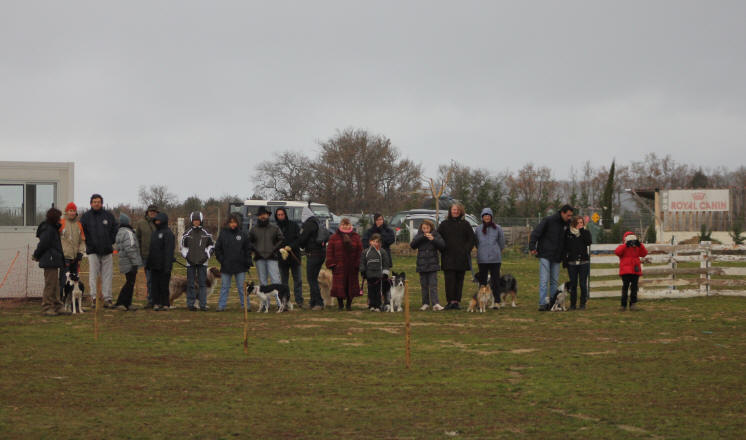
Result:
{"points": [[153, 208], [124, 219], [263, 210], [196, 215], [71, 207], [629, 235]]}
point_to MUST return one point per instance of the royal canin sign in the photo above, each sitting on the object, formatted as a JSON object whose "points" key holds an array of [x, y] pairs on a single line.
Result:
{"points": [[685, 200]]}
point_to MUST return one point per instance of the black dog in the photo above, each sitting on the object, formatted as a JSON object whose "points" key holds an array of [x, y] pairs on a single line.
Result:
{"points": [[508, 286]]}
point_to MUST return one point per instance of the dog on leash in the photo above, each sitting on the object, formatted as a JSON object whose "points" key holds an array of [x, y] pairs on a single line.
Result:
{"points": [[508, 287], [178, 284], [397, 291], [560, 298], [325, 284], [72, 292], [482, 300], [280, 292]]}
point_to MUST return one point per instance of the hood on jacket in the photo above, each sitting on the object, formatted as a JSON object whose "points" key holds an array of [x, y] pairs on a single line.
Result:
{"points": [[196, 215], [124, 219], [629, 235], [487, 211], [163, 218], [286, 215], [306, 214]]}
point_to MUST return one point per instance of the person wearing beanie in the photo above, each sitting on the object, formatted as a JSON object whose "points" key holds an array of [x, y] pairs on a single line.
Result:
{"points": [[143, 231], [311, 241], [50, 257], [100, 229], [267, 241], [490, 242], [291, 257], [129, 261], [73, 241], [388, 237], [196, 248], [630, 267], [160, 261]]}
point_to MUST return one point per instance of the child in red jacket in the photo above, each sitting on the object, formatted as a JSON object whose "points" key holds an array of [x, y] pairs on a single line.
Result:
{"points": [[630, 267]]}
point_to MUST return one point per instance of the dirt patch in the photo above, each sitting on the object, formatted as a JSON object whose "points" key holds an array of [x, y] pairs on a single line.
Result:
{"points": [[599, 353], [523, 350]]}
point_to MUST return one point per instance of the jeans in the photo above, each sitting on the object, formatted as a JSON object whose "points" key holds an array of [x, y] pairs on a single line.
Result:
{"points": [[269, 268], [629, 283], [578, 272], [429, 285], [149, 283], [100, 266], [314, 262], [225, 287], [548, 274], [293, 268], [125, 295], [493, 269], [200, 273]]}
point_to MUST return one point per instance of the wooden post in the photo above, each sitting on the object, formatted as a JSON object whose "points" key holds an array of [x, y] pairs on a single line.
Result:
{"points": [[704, 263], [407, 327], [674, 264], [245, 320]]}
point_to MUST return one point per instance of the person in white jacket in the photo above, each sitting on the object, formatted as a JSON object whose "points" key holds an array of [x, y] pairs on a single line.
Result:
{"points": [[129, 261]]}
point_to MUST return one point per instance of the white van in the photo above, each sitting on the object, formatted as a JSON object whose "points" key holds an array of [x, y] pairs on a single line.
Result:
{"points": [[248, 209]]}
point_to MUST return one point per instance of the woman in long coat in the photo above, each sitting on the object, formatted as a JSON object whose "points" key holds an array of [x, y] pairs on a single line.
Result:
{"points": [[343, 258], [456, 257]]}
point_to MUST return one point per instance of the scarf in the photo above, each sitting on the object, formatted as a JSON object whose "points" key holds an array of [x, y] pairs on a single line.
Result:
{"points": [[575, 231]]}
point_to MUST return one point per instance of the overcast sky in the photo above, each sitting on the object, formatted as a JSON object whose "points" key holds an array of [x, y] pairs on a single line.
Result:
{"points": [[194, 94]]}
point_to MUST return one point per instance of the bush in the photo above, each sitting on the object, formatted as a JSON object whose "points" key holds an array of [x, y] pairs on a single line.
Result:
{"points": [[736, 233], [650, 235], [704, 233]]}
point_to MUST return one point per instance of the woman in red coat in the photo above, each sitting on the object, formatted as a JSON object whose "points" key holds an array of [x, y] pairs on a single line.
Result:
{"points": [[630, 267], [343, 258]]}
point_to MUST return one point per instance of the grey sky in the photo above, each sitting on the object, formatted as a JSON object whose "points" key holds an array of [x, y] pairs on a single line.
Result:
{"points": [[193, 94]]}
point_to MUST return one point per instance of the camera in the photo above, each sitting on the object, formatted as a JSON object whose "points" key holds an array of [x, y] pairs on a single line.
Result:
{"points": [[633, 243]]}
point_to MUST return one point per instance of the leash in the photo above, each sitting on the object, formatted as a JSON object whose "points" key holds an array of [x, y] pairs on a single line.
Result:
{"points": [[179, 262]]}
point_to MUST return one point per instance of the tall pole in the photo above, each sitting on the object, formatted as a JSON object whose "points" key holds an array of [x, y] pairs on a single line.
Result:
{"points": [[407, 327]]}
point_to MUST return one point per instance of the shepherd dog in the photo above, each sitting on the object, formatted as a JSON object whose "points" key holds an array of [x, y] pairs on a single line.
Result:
{"points": [[280, 292], [560, 298], [483, 299], [178, 284], [397, 291], [508, 286], [72, 291], [325, 284]]}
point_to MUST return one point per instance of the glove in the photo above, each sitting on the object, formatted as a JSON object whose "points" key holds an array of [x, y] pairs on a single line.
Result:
{"points": [[288, 248], [79, 257], [284, 253]]}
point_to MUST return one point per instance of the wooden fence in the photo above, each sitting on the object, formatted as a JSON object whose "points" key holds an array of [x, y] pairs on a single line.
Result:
{"points": [[674, 271]]}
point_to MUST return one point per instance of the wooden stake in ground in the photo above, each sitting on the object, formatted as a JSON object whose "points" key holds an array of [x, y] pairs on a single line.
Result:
{"points": [[407, 328], [97, 310], [245, 322]]}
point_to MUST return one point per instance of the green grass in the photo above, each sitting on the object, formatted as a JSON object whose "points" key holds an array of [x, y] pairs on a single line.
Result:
{"points": [[674, 370]]}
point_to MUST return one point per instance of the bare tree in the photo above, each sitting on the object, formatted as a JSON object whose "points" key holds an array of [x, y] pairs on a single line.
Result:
{"points": [[158, 195], [287, 177]]}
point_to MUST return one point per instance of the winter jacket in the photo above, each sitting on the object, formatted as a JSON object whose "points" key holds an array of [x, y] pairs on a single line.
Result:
{"points": [[100, 231], [128, 249], [375, 263], [490, 244], [143, 230], [162, 244], [428, 251], [629, 257], [72, 237], [344, 263], [388, 236], [459, 238], [290, 235], [196, 246], [548, 238], [576, 248], [233, 251], [266, 240], [49, 250]]}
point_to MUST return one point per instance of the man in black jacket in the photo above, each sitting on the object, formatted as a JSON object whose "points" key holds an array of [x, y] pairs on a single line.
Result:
{"points": [[161, 260], [547, 243], [388, 237], [315, 256], [100, 231], [292, 263]]}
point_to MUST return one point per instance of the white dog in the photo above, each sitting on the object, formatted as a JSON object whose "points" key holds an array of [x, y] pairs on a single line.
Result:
{"points": [[280, 292], [560, 298], [397, 291]]}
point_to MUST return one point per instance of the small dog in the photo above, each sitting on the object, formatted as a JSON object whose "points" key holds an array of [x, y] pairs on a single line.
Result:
{"points": [[325, 284], [397, 291], [178, 284], [508, 286], [72, 292], [560, 298], [280, 292], [482, 299]]}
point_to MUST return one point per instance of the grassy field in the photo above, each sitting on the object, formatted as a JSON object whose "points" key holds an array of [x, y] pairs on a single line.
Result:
{"points": [[677, 369]]}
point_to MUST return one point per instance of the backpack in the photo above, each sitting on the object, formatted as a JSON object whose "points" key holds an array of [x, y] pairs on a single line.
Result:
{"points": [[322, 234]]}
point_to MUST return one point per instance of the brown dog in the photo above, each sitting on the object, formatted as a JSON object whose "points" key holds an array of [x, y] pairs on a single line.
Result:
{"points": [[178, 284], [325, 284], [481, 300]]}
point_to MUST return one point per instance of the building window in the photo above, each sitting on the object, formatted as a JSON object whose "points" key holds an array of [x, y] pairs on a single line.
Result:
{"points": [[26, 204]]}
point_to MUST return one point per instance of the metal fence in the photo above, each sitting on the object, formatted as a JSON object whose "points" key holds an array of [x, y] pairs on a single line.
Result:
{"points": [[21, 276]]}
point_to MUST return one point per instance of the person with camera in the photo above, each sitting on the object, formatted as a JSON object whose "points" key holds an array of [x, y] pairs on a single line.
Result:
{"points": [[630, 267]]}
